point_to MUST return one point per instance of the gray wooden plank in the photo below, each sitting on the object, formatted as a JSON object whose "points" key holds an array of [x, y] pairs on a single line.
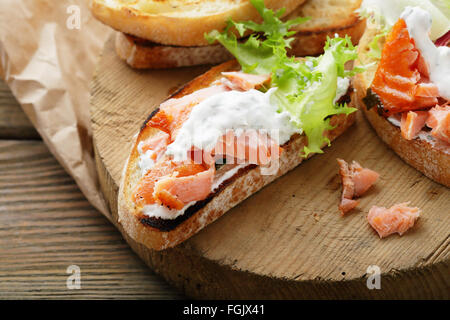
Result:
{"points": [[46, 225]]}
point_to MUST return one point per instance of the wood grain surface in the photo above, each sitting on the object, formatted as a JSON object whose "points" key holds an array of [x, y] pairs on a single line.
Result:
{"points": [[14, 124], [288, 240], [46, 225]]}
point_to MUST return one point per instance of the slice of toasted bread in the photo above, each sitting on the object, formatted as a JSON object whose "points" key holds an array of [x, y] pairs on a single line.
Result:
{"points": [[327, 19], [143, 54], [425, 155], [178, 22], [157, 233]]}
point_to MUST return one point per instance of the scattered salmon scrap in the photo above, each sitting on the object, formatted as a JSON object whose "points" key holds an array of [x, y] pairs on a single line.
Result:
{"points": [[356, 180], [439, 121], [244, 81], [397, 219], [401, 80], [412, 123]]}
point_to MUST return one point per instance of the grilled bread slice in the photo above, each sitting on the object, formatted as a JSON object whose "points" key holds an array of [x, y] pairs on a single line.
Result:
{"points": [[328, 17], [178, 22], [426, 155], [157, 233]]}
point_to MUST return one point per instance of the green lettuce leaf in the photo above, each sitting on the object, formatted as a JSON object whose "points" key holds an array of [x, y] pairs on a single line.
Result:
{"points": [[311, 107], [306, 87]]}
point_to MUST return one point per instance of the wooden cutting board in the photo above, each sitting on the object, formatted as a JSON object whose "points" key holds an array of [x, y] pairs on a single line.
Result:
{"points": [[288, 240]]}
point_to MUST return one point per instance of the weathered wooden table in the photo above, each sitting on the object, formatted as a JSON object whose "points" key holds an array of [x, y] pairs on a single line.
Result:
{"points": [[46, 225]]}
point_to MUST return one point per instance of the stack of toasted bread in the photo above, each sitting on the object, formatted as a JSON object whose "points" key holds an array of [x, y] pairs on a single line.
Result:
{"points": [[167, 34]]}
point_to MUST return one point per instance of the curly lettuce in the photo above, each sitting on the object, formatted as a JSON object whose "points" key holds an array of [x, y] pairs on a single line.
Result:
{"points": [[312, 106], [306, 88]]}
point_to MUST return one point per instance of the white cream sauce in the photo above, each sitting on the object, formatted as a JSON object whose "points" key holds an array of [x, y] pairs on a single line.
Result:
{"points": [[231, 110]]}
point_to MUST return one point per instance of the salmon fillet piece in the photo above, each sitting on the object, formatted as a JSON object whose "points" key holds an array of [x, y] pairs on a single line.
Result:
{"points": [[412, 123], [439, 121], [356, 180], [175, 192], [397, 219], [398, 80], [251, 147], [174, 112], [157, 144], [239, 80], [143, 193]]}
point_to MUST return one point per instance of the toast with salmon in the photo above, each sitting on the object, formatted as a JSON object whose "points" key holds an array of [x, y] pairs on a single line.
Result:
{"points": [[233, 130], [402, 94], [160, 233], [327, 18]]}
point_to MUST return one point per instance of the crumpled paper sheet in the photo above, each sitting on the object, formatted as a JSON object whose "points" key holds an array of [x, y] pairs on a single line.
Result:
{"points": [[48, 63]]}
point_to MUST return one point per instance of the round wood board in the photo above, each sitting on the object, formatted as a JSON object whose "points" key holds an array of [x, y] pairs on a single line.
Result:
{"points": [[288, 240]]}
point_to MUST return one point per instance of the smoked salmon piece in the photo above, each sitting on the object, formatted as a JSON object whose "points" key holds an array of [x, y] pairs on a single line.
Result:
{"points": [[412, 122], [356, 180], [149, 192], [439, 121], [175, 192], [251, 146], [157, 144], [397, 219], [143, 193], [169, 200], [239, 80], [174, 112], [398, 80]]}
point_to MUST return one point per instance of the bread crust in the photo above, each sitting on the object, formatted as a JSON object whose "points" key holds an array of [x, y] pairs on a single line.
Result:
{"points": [[142, 54], [232, 191], [432, 161], [181, 29]]}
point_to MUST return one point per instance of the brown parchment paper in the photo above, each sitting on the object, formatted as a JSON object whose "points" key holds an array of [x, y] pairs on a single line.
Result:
{"points": [[47, 58]]}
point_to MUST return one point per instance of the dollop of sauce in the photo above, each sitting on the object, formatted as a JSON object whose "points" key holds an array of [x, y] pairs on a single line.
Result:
{"points": [[231, 110]]}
